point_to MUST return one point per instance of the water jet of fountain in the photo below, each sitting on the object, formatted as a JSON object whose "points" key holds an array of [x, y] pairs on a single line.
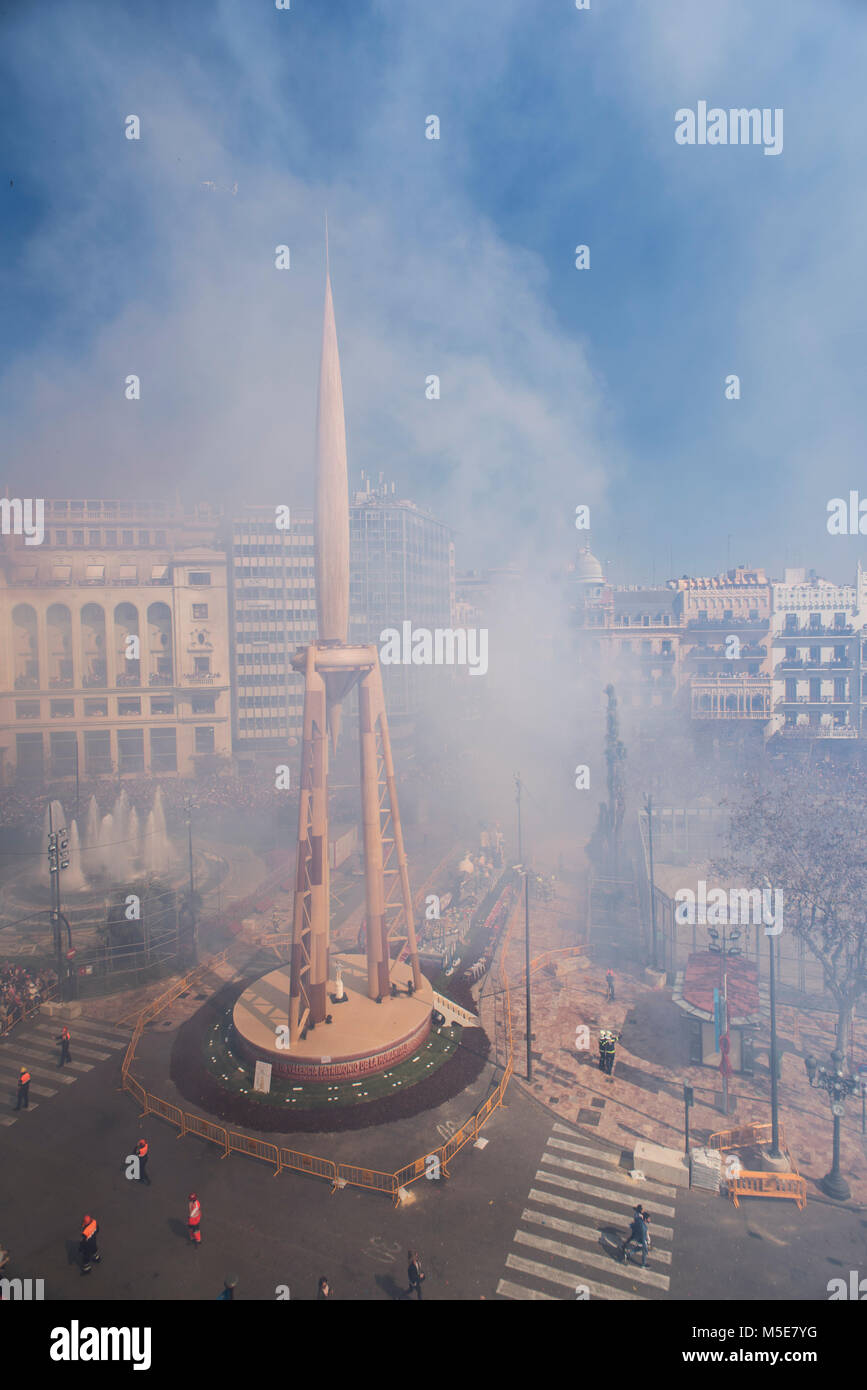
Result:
{"points": [[72, 879]]}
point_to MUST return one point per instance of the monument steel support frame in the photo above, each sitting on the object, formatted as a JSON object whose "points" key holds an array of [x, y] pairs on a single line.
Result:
{"points": [[390, 921]]}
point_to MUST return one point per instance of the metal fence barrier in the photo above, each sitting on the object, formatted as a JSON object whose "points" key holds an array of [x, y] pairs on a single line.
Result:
{"points": [[338, 1174]]}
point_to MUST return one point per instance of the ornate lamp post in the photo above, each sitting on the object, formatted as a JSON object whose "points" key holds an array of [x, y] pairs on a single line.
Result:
{"points": [[838, 1085]]}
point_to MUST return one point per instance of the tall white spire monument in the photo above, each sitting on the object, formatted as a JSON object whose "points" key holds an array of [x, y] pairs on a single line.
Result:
{"points": [[387, 1018]]}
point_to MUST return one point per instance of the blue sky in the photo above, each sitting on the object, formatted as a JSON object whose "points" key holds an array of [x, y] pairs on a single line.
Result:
{"points": [[453, 257]]}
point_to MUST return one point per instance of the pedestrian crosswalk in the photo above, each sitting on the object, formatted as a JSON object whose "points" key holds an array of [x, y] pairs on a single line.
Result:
{"points": [[33, 1045], [578, 1210]]}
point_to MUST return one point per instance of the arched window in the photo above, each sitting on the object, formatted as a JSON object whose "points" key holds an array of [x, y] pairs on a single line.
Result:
{"points": [[159, 653], [93, 663], [59, 632], [25, 647], [127, 645]]}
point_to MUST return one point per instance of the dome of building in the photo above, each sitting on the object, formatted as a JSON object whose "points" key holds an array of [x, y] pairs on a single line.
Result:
{"points": [[588, 570]]}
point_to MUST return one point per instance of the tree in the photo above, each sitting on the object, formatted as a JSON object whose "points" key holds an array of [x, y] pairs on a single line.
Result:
{"points": [[803, 830]]}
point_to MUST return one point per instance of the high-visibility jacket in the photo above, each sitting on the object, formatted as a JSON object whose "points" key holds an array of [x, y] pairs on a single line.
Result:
{"points": [[89, 1229], [24, 1079], [142, 1148], [195, 1213], [64, 1033]]}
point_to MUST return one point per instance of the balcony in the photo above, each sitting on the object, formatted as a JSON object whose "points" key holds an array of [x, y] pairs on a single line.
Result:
{"points": [[60, 683], [820, 731], [26, 682], [158, 678], [203, 677], [127, 680], [827, 629]]}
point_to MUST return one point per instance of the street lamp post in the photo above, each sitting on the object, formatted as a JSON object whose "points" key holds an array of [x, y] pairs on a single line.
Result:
{"points": [[648, 806], [838, 1085], [721, 944]]}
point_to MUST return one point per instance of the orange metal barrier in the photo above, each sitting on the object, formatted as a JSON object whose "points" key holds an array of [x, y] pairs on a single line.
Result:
{"points": [[205, 1129], [744, 1136], [306, 1163], [256, 1148], [789, 1185]]}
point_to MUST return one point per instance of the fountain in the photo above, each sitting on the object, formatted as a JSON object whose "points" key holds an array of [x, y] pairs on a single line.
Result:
{"points": [[73, 877]]}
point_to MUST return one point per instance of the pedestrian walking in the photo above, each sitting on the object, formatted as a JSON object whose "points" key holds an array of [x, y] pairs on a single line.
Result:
{"points": [[230, 1283], [64, 1040], [23, 1089], [324, 1290], [194, 1219], [141, 1150], [638, 1234], [87, 1246], [415, 1275], [609, 980]]}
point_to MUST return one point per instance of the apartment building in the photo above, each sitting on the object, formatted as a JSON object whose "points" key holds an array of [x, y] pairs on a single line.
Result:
{"points": [[114, 656]]}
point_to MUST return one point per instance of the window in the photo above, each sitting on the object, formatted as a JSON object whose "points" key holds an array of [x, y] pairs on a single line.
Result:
{"points": [[754, 615], [160, 538], [144, 537], [126, 538], [129, 706], [815, 621], [199, 577], [815, 655], [62, 709], [26, 709], [64, 754], [164, 756], [93, 537], [815, 691], [95, 707], [791, 622], [728, 615], [839, 619], [29, 755], [202, 704], [130, 750], [791, 691], [200, 611], [791, 653], [97, 751], [61, 574], [202, 665], [95, 574], [164, 705], [78, 538], [204, 740], [60, 538], [111, 538]]}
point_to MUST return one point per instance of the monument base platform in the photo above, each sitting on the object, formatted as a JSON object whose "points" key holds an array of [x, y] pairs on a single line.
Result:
{"points": [[363, 1037]]}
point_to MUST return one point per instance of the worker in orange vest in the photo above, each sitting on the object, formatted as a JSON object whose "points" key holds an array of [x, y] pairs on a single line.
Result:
{"points": [[23, 1089], [141, 1149], [87, 1248], [194, 1219], [64, 1045]]}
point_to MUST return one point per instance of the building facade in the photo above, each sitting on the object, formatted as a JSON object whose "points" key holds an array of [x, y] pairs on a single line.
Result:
{"points": [[115, 650], [273, 612], [817, 645], [402, 568]]}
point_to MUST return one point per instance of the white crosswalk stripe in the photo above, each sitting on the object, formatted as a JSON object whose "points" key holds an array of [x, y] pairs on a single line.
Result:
{"points": [[34, 1044], [573, 1232]]}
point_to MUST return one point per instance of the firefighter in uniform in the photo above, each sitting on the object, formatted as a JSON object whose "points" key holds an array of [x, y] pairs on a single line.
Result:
{"points": [[141, 1149], [87, 1248], [194, 1219], [23, 1089]]}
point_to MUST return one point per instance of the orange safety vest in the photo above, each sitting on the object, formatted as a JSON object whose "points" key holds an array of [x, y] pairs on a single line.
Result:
{"points": [[195, 1213], [142, 1148], [89, 1229], [65, 1034], [24, 1079]]}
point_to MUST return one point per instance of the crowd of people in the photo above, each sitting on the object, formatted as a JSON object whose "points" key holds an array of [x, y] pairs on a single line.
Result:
{"points": [[21, 990], [25, 811]]}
